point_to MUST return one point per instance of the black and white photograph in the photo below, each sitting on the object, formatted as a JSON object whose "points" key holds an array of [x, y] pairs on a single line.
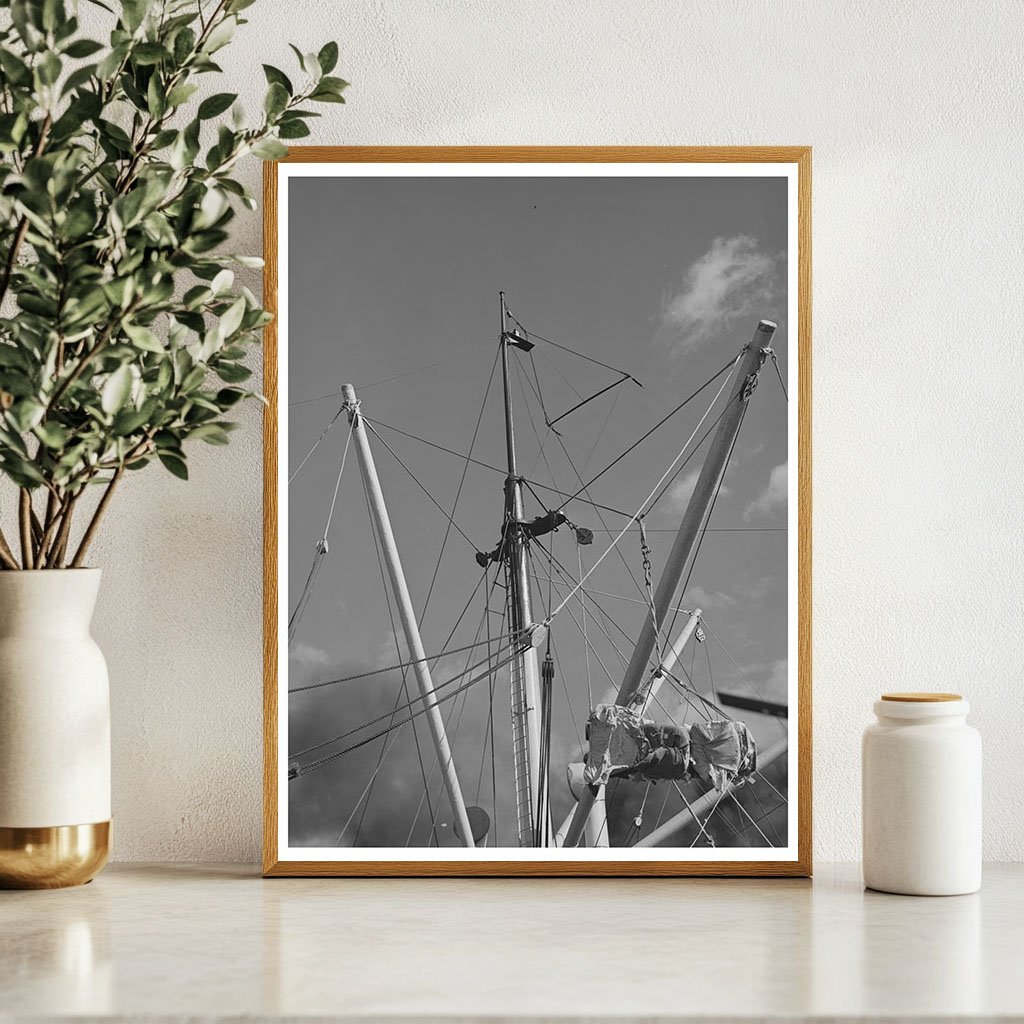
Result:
{"points": [[537, 513]]}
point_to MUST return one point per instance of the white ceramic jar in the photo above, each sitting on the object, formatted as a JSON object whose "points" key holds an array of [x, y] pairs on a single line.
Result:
{"points": [[921, 790]]}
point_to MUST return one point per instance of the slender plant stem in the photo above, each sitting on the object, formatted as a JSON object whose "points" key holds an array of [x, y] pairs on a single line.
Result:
{"points": [[37, 531], [94, 523], [87, 357], [6, 554], [52, 525], [25, 522], [60, 544]]}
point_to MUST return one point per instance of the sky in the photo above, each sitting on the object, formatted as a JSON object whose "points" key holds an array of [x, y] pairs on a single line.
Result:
{"points": [[393, 286]]}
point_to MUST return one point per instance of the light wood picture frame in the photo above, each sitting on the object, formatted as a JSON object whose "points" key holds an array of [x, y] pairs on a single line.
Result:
{"points": [[601, 219]]}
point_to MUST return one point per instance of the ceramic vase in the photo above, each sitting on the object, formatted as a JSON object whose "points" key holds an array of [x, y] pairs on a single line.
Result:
{"points": [[54, 731]]}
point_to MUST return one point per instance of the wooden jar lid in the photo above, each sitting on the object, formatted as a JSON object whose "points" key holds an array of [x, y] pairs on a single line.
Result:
{"points": [[921, 698]]}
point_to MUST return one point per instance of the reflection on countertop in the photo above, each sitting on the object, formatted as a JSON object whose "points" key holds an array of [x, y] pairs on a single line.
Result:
{"points": [[178, 940]]}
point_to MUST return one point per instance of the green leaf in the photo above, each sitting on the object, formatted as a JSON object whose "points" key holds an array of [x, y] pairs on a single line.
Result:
{"points": [[255, 262], [156, 100], [109, 65], [232, 373], [21, 471], [53, 435], [221, 35], [269, 149], [116, 390], [232, 319], [128, 421], [175, 464], [181, 94], [293, 130], [211, 433], [184, 44], [26, 414], [214, 105], [48, 68], [276, 99], [78, 78], [277, 77], [83, 48], [222, 281], [193, 379], [227, 397], [144, 338], [16, 70], [326, 96], [328, 57], [149, 53], [311, 65], [133, 13]]}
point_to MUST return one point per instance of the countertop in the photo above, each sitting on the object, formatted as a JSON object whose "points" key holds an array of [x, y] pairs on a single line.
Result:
{"points": [[176, 941]]}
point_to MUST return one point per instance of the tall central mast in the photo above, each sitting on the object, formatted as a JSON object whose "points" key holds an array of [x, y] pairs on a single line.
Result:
{"points": [[524, 669]]}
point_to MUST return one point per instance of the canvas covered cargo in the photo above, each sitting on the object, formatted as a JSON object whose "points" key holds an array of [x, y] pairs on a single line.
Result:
{"points": [[625, 745]]}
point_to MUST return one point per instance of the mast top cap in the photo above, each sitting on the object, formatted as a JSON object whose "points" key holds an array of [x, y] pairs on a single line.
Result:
{"points": [[348, 392], [767, 325]]}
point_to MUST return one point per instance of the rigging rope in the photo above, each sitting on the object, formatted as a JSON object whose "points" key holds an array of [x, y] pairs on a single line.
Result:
{"points": [[581, 355], [404, 707], [435, 502], [579, 405], [398, 697], [583, 615], [728, 366], [314, 765], [451, 712], [458, 492], [600, 433], [493, 469], [404, 691], [321, 551], [742, 675], [711, 678], [388, 380], [775, 363], [389, 668], [316, 443], [585, 490], [645, 551], [710, 513], [665, 475]]}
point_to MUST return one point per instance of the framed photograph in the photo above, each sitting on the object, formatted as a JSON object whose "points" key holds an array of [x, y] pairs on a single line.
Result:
{"points": [[537, 513]]}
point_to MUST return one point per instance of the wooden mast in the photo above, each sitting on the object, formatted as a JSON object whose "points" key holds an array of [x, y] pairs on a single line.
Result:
{"points": [[382, 524], [526, 739], [688, 538]]}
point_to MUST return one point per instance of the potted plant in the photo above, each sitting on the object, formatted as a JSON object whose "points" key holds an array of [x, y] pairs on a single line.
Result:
{"points": [[122, 339]]}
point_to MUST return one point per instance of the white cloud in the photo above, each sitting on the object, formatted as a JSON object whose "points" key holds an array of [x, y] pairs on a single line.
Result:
{"points": [[679, 494], [769, 680], [309, 656], [774, 496], [699, 597], [733, 279]]}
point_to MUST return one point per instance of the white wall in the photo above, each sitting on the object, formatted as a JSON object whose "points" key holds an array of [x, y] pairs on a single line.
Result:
{"points": [[914, 112]]}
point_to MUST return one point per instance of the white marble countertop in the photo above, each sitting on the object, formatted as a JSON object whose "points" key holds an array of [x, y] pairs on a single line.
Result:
{"points": [[171, 942]]}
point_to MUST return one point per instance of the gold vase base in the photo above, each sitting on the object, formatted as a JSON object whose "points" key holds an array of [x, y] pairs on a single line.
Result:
{"points": [[53, 857]]}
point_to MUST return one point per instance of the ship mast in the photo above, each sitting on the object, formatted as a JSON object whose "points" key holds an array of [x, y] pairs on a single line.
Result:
{"points": [[421, 669], [526, 739], [687, 541]]}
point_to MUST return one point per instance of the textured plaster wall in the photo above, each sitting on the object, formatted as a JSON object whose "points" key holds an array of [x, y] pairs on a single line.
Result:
{"points": [[914, 112]]}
